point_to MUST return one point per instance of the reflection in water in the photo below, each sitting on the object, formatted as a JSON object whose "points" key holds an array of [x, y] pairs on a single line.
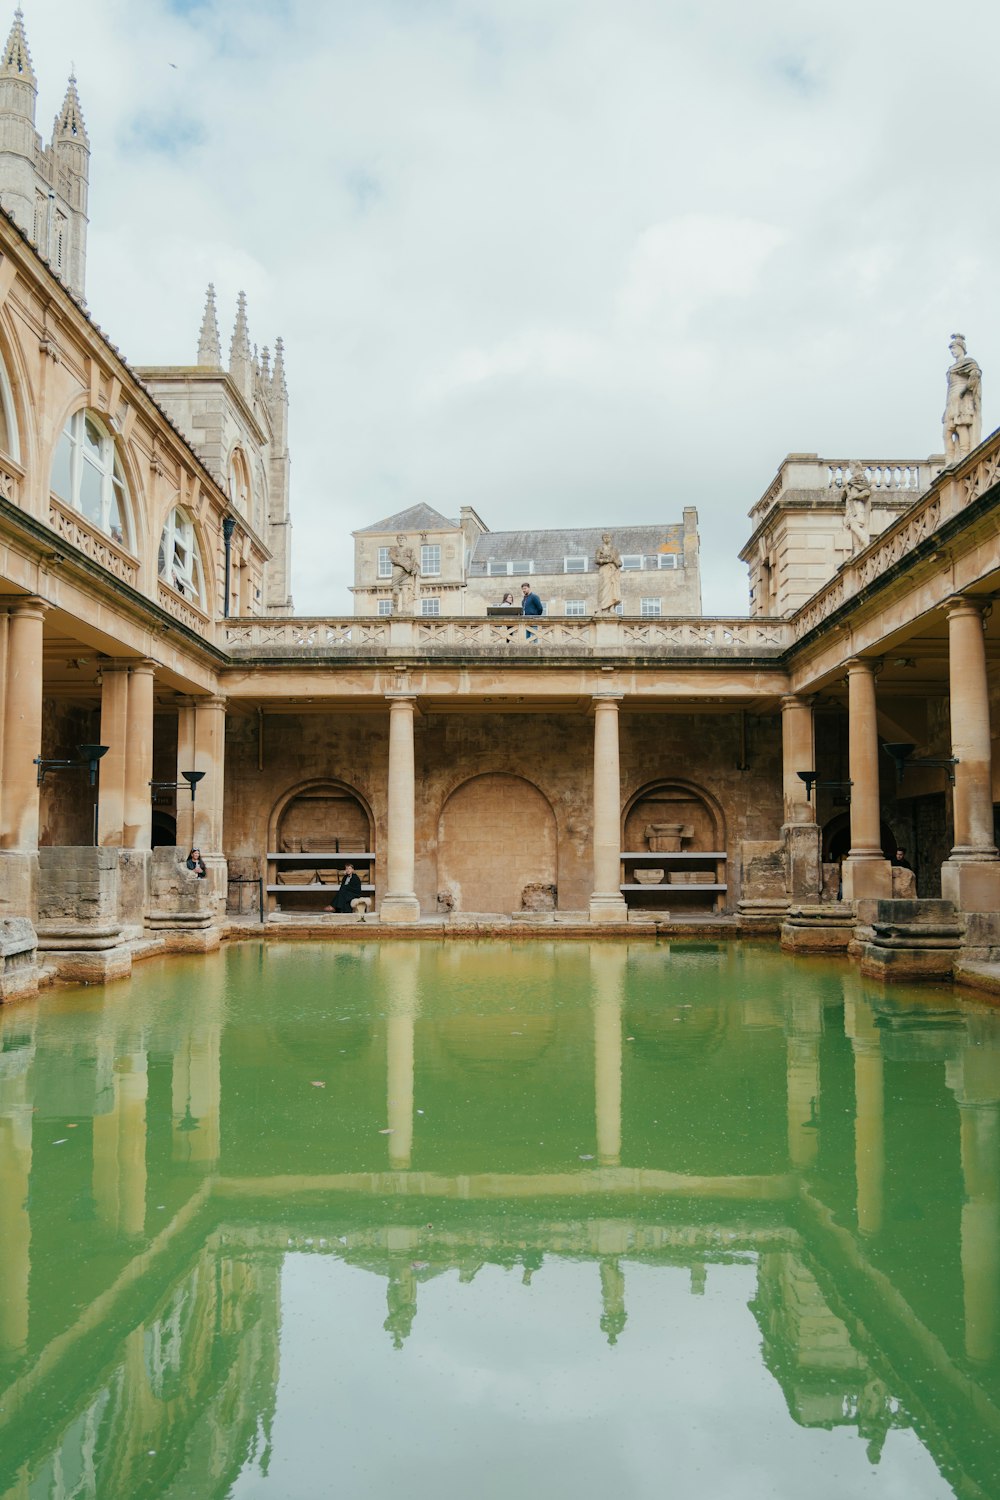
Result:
{"points": [[669, 1204]]}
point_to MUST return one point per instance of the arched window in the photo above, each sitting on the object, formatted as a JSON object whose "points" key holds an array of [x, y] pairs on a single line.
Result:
{"points": [[9, 442], [179, 559], [239, 483], [87, 475]]}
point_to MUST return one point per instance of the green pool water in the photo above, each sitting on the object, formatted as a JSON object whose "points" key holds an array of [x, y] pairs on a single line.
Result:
{"points": [[497, 1220]]}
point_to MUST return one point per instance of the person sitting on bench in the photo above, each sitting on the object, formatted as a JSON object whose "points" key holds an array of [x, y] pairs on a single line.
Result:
{"points": [[350, 887]]}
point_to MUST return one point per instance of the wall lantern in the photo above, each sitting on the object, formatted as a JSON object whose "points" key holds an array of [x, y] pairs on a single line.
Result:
{"points": [[190, 783], [810, 779], [902, 756], [89, 757]]}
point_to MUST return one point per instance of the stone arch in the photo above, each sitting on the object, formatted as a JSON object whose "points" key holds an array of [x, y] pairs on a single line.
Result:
{"points": [[837, 838], [496, 836], [319, 810], [15, 397], [671, 799]]}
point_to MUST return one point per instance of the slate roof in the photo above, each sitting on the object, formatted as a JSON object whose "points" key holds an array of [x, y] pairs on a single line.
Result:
{"points": [[547, 549], [417, 518]]}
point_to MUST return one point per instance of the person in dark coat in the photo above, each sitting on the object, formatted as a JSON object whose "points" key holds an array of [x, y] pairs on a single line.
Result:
{"points": [[530, 602], [195, 862], [350, 889]]}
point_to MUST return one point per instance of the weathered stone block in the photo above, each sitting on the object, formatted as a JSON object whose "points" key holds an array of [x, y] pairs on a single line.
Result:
{"points": [[824, 928], [913, 941]]}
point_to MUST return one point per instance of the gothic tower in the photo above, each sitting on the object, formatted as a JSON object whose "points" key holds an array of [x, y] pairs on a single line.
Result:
{"points": [[43, 188]]}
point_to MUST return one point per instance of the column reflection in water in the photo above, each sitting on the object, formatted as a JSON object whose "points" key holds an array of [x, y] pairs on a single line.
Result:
{"points": [[16, 1054], [804, 1029], [119, 1134], [398, 969], [196, 1076], [975, 1079], [869, 1106], [608, 963]]}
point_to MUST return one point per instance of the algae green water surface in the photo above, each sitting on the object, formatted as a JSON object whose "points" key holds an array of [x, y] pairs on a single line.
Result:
{"points": [[494, 1220]]}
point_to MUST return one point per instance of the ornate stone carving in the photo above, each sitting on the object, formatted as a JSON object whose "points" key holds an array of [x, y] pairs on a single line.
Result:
{"points": [[94, 544], [405, 572], [609, 570], [857, 508], [963, 412]]}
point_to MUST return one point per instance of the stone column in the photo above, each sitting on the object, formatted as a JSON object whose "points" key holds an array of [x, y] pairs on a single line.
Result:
{"points": [[210, 757], [138, 815], [22, 727], [971, 875], [607, 970], [399, 904], [607, 903], [111, 775], [185, 758], [869, 1117], [398, 965], [800, 830], [867, 873]]}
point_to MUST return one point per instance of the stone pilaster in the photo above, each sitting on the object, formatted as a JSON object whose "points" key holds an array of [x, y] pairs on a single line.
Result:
{"points": [[867, 873], [970, 877], [607, 903], [400, 902]]}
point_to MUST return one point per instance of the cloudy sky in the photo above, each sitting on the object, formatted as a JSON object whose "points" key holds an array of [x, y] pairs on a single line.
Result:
{"points": [[567, 261]]}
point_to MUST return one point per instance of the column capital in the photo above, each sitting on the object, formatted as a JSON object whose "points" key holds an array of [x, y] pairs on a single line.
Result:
{"points": [[393, 698], [144, 664], [965, 604], [30, 605], [788, 701], [607, 700], [209, 701], [868, 664]]}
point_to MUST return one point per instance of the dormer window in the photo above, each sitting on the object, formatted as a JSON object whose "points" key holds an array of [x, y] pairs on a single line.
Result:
{"points": [[575, 564]]}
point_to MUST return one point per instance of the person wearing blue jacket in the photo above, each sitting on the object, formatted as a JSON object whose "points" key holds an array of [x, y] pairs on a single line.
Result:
{"points": [[530, 603]]}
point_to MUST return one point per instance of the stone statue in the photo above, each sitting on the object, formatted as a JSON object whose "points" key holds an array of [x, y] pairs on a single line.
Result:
{"points": [[405, 572], [857, 508], [963, 412], [609, 570]]}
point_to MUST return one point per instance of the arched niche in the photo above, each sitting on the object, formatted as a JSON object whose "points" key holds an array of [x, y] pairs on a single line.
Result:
{"points": [[674, 801], [321, 817], [496, 837]]}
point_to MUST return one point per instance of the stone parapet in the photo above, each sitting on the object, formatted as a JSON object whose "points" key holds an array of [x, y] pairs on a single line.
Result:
{"points": [[913, 941]]}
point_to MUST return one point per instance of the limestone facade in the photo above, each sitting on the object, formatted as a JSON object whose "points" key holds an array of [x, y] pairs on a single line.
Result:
{"points": [[465, 567]]}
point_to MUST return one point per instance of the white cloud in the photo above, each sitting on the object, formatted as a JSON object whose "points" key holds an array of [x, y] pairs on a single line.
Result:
{"points": [[558, 260]]}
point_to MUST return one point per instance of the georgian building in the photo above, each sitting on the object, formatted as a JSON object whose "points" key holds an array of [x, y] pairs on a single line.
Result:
{"points": [[659, 769], [465, 567]]}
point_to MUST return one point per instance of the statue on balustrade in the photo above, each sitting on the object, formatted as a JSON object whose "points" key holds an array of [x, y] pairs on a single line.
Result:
{"points": [[609, 570], [963, 412], [405, 572], [858, 507]]}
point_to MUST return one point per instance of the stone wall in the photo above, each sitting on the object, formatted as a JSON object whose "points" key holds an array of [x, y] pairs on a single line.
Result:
{"points": [[503, 800]]}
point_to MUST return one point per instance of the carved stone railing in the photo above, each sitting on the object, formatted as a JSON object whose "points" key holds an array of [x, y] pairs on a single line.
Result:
{"points": [[79, 533], [183, 610], [881, 473], [11, 480], [477, 637]]}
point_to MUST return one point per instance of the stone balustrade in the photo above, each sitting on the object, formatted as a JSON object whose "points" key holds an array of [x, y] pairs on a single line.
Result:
{"points": [[183, 610], [698, 638], [79, 533], [882, 473]]}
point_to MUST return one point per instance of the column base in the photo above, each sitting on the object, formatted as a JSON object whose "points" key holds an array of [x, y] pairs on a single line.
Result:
{"points": [[398, 909], [608, 909], [973, 885], [803, 867], [865, 879]]}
